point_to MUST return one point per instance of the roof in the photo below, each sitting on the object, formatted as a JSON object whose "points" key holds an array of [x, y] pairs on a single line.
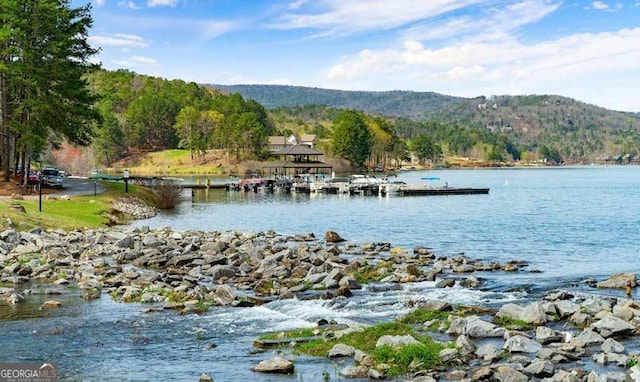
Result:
{"points": [[288, 164], [277, 140], [297, 150], [307, 138]]}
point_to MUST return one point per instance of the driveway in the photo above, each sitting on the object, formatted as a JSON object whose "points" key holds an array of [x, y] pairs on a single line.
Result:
{"points": [[75, 186]]}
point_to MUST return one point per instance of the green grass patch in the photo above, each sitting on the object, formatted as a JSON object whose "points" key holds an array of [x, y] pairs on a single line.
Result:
{"points": [[172, 162], [421, 315], [512, 323], [373, 273], [426, 353], [298, 333], [77, 213]]}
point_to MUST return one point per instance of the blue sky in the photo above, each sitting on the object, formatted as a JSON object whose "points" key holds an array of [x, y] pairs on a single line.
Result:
{"points": [[587, 50]]}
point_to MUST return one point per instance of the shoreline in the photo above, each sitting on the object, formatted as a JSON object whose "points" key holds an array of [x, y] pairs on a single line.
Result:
{"points": [[194, 271]]}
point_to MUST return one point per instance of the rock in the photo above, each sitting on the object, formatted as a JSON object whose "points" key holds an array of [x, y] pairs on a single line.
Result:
{"points": [[613, 326], [488, 352], [618, 281], [277, 365], [539, 368], [612, 346], [633, 374], [354, 372], [509, 374], [363, 358], [520, 344], [220, 271], [51, 304], [445, 283], [224, 295], [587, 337], [125, 242], [546, 335], [332, 237], [470, 282], [396, 341], [341, 350], [436, 305], [205, 378], [375, 375], [533, 313], [15, 298], [448, 355]]}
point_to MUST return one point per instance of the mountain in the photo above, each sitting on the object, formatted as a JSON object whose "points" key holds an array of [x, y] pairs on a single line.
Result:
{"points": [[580, 131], [413, 105]]}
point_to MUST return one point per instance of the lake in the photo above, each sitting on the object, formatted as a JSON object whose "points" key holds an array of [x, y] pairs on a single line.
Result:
{"points": [[568, 223]]}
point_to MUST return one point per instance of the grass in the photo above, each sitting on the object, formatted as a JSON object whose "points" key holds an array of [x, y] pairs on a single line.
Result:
{"points": [[172, 162], [77, 213], [298, 333], [512, 323], [370, 273], [398, 359], [421, 315]]}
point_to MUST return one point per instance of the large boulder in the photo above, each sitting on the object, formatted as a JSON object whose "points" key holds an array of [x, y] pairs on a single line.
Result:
{"points": [[533, 313], [332, 237], [277, 365], [612, 326], [618, 281]]}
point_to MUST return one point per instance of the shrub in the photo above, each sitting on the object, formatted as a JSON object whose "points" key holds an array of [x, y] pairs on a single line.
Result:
{"points": [[166, 193]]}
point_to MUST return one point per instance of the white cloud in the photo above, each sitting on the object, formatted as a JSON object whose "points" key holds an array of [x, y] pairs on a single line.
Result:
{"points": [[162, 3], [213, 29], [100, 3], [128, 4], [495, 24], [118, 40], [506, 67], [339, 16], [137, 61], [599, 5], [296, 4]]}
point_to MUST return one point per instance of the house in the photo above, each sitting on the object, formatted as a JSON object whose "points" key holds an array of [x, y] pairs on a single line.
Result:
{"points": [[278, 142], [307, 140]]}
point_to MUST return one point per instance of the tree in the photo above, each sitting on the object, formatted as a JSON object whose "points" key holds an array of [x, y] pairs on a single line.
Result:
{"points": [[350, 138], [43, 95], [425, 149], [109, 140], [187, 129]]}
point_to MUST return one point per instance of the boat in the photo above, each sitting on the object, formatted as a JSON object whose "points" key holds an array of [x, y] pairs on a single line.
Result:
{"points": [[391, 188], [336, 186], [365, 185], [252, 183]]}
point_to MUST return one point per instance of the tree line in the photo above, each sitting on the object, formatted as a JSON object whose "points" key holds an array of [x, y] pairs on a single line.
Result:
{"points": [[142, 113], [43, 95]]}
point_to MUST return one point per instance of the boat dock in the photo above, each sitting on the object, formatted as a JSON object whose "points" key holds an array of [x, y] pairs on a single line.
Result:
{"points": [[352, 188], [416, 190]]}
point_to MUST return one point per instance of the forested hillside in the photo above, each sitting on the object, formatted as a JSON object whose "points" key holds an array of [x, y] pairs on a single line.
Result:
{"points": [[573, 130], [414, 105]]}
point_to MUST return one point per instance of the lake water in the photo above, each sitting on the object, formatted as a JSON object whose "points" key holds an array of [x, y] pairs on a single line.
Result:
{"points": [[568, 223]]}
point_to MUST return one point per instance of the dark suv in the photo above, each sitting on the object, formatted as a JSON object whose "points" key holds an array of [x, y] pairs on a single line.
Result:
{"points": [[51, 177]]}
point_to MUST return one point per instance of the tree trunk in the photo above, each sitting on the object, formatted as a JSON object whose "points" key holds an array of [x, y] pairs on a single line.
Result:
{"points": [[6, 147]]}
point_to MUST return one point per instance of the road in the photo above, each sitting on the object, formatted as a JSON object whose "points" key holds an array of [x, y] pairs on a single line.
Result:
{"points": [[80, 186]]}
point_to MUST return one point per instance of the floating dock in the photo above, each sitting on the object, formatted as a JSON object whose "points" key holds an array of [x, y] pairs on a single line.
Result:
{"points": [[410, 191]]}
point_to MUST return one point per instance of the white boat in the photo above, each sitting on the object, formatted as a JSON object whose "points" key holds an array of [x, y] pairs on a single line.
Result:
{"points": [[391, 188], [365, 184]]}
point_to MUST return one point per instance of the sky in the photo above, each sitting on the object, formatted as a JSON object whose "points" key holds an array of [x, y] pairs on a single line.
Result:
{"points": [[587, 50]]}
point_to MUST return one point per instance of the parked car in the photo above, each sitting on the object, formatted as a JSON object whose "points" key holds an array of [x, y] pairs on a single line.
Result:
{"points": [[51, 177], [33, 177]]}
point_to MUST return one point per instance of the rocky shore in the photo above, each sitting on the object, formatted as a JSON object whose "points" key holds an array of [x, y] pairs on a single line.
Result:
{"points": [[192, 271]]}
